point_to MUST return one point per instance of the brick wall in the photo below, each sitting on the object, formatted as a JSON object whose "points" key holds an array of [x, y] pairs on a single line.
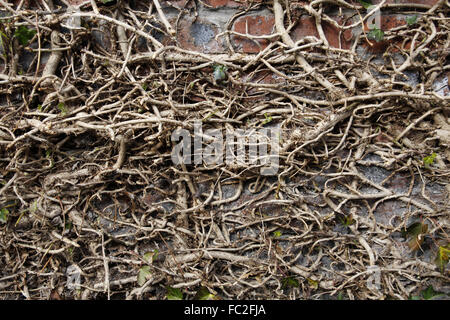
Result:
{"points": [[201, 24]]}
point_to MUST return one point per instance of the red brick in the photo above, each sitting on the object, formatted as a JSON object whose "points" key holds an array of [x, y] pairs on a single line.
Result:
{"points": [[228, 3], [256, 25], [307, 27], [388, 22]]}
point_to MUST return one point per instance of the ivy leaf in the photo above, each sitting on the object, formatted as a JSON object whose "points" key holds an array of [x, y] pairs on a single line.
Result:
{"points": [[313, 283], [151, 256], [268, 119], [204, 294], [144, 275], [416, 234], [289, 282], [62, 108], [365, 3], [4, 215], [411, 20], [347, 220], [428, 161], [442, 257], [376, 34], [219, 72], [414, 229], [429, 293], [24, 35], [174, 294]]}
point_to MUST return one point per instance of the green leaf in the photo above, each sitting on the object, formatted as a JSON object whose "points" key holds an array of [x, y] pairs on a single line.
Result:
{"points": [[268, 119], [414, 230], [68, 225], [204, 294], [411, 20], [376, 34], [174, 294], [416, 234], [289, 282], [62, 108], [219, 72], [313, 283], [277, 234], [428, 161], [347, 220], [442, 257], [24, 35], [144, 275], [429, 293], [33, 207], [151, 256], [4, 215], [365, 3]]}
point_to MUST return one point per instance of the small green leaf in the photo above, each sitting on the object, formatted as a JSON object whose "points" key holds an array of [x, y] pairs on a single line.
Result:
{"points": [[415, 233], [151, 256], [442, 257], [428, 161], [414, 230], [4, 215], [268, 119], [204, 294], [347, 220], [376, 34], [365, 3], [62, 108], [24, 35], [144, 275], [174, 294], [411, 20], [429, 293], [219, 72], [313, 283], [277, 234], [289, 282], [33, 207]]}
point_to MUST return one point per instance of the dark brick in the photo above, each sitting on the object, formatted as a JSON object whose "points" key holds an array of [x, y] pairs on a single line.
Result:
{"points": [[199, 36], [256, 25], [307, 27]]}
